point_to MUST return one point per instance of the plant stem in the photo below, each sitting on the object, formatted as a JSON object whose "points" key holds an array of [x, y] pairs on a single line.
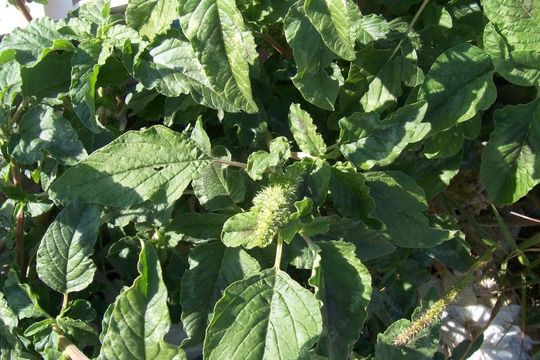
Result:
{"points": [[17, 115], [410, 28], [16, 178], [231, 163], [286, 53], [20, 4], [65, 300], [279, 252], [67, 347], [300, 155], [19, 221], [332, 147]]}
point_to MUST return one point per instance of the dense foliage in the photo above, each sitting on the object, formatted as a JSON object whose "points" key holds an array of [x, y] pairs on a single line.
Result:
{"points": [[265, 179]]}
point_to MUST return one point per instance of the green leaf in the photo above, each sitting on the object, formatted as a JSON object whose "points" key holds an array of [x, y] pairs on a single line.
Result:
{"points": [[521, 67], [260, 161], [153, 164], [8, 318], [312, 58], [83, 333], [42, 129], [63, 258], [10, 82], [517, 21], [370, 244], [139, 318], [510, 165], [422, 348], [375, 79], [50, 78], [151, 17], [371, 28], [350, 194], [20, 298], [405, 221], [170, 65], [35, 41], [458, 85], [305, 132], [97, 11], [381, 142], [88, 58], [241, 230], [212, 267], [196, 227], [334, 21], [445, 144], [343, 284], [219, 187], [224, 47], [267, 316]]}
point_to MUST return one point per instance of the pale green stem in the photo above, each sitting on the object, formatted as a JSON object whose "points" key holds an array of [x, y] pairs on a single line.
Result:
{"points": [[279, 252]]}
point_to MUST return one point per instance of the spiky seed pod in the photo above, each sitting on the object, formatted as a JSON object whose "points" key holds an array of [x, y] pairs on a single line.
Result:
{"points": [[272, 205], [433, 313]]}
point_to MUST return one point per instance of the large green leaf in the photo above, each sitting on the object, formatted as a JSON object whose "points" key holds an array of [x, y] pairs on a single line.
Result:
{"points": [[520, 67], [139, 318], [334, 21], [518, 21], [312, 59], [458, 85], [374, 80], [512, 39], [510, 165], [305, 132], [50, 78], [63, 258], [41, 129], [224, 47], [343, 284], [219, 187], [20, 298], [153, 164], [381, 142], [212, 267], [151, 17], [35, 41], [267, 316], [400, 204], [350, 194], [10, 82], [371, 28], [86, 62], [170, 66]]}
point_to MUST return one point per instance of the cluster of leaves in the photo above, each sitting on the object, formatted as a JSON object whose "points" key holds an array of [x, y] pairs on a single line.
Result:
{"points": [[258, 172]]}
